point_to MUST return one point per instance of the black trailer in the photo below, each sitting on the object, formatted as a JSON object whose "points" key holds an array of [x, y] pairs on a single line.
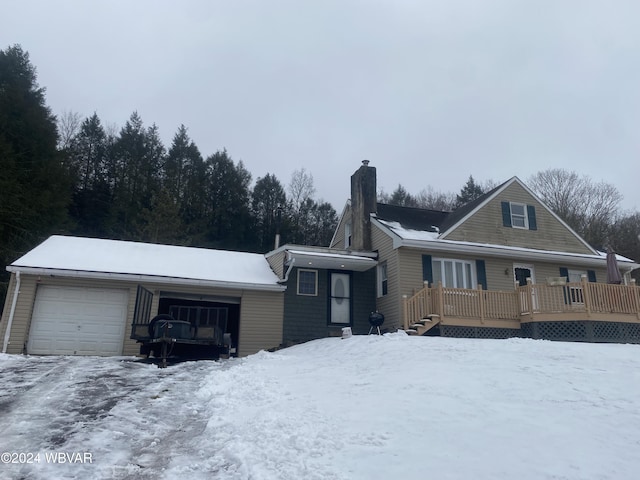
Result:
{"points": [[188, 330]]}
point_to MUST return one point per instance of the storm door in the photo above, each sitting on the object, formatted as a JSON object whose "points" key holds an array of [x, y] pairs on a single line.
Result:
{"points": [[340, 299]]}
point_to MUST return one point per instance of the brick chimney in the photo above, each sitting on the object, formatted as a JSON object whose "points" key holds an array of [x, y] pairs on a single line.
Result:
{"points": [[363, 203]]}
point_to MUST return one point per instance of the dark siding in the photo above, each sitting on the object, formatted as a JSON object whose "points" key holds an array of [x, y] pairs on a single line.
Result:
{"points": [[306, 318]]}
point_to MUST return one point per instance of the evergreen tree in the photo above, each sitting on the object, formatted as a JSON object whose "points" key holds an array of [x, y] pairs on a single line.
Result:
{"points": [[402, 198], [184, 181], [88, 157], [227, 202], [268, 197], [469, 192], [136, 171], [34, 185]]}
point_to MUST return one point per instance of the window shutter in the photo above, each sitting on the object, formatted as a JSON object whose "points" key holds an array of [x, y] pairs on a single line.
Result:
{"points": [[481, 272], [531, 214], [591, 275], [506, 214], [564, 272], [427, 269]]}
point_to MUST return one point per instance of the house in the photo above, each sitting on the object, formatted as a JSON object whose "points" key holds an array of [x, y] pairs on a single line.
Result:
{"points": [[326, 290], [503, 265], [81, 296]]}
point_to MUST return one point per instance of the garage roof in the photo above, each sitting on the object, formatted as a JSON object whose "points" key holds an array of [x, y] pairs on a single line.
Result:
{"points": [[99, 258]]}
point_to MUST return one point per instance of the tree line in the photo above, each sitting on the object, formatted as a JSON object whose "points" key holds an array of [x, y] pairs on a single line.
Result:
{"points": [[70, 175], [75, 176]]}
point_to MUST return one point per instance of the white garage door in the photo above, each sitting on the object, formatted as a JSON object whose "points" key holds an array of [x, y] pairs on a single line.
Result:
{"points": [[78, 321]]}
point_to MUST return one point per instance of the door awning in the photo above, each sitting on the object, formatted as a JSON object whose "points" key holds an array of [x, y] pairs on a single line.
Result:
{"points": [[330, 261]]}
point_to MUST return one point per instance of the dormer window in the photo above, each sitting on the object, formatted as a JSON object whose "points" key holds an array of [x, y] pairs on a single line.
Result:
{"points": [[519, 215]]}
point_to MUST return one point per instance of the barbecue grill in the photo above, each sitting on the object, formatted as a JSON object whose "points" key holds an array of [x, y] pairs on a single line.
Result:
{"points": [[375, 320]]}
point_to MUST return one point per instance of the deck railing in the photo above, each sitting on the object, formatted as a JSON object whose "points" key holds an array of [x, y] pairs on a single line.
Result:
{"points": [[526, 300], [460, 303]]}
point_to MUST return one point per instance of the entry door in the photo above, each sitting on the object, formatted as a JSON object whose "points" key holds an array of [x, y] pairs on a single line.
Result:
{"points": [[520, 274], [340, 298]]}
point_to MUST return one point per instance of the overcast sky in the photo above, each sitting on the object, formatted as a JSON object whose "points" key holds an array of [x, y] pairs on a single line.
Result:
{"points": [[429, 91]]}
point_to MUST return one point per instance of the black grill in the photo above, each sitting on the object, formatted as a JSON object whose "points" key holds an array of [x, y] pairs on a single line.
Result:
{"points": [[375, 320]]}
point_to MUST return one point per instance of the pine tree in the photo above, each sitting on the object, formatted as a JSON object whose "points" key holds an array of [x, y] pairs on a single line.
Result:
{"points": [[268, 197], [469, 192], [227, 200], [34, 184]]}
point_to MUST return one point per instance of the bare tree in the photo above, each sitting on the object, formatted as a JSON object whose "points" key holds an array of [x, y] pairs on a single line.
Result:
{"points": [[589, 207], [300, 188], [436, 200], [68, 124]]}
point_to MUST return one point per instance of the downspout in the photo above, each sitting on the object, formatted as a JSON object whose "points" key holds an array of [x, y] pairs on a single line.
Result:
{"points": [[7, 333], [286, 275]]}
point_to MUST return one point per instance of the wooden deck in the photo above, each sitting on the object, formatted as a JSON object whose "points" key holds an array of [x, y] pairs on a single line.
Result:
{"points": [[579, 301]]}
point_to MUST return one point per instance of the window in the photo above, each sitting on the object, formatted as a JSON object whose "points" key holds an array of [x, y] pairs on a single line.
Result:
{"points": [[308, 282], [383, 284], [453, 273], [519, 215], [347, 235]]}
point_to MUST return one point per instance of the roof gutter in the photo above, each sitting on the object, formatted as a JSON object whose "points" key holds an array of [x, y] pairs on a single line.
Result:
{"points": [[7, 333], [146, 278]]}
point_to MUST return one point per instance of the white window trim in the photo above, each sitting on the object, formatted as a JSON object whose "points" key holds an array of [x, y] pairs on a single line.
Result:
{"points": [[382, 267], [527, 266], [526, 215], [315, 294], [473, 280]]}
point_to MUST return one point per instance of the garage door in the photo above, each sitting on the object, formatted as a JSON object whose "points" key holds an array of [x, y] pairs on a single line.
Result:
{"points": [[78, 321]]}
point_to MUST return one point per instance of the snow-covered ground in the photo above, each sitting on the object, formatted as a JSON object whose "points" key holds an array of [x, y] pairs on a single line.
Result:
{"points": [[361, 408]]}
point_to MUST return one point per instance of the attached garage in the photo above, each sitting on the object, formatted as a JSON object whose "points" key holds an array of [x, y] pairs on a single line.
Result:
{"points": [[78, 321], [81, 296]]}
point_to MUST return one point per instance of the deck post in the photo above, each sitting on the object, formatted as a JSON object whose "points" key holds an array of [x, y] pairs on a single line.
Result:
{"points": [[441, 308], [530, 297], [635, 292], [481, 302], [586, 294], [405, 312]]}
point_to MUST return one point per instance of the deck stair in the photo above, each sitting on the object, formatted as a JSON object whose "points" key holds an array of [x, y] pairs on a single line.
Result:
{"points": [[421, 327]]}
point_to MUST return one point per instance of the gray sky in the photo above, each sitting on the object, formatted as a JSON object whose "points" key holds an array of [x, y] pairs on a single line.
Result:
{"points": [[429, 91]]}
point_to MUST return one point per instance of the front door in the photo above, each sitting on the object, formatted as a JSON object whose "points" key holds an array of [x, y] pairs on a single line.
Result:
{"points": [[521, 272], [340, 298]]}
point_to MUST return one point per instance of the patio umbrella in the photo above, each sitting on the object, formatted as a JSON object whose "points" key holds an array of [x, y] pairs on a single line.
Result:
{"points": [[613, 273]]}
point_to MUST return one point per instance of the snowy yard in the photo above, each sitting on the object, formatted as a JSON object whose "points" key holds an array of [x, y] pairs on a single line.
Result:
{"points": [[361, 408]]}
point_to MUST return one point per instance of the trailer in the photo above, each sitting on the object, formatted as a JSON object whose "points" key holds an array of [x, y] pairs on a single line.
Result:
{"points": [[185, 332]]}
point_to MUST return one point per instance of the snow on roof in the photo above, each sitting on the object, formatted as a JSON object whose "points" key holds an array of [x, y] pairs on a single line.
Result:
{"points": [[407, 233], [135, 258]]}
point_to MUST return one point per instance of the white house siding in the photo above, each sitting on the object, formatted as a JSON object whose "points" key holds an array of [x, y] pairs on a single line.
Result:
{"points": [[261, 316], [485, 226]]}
